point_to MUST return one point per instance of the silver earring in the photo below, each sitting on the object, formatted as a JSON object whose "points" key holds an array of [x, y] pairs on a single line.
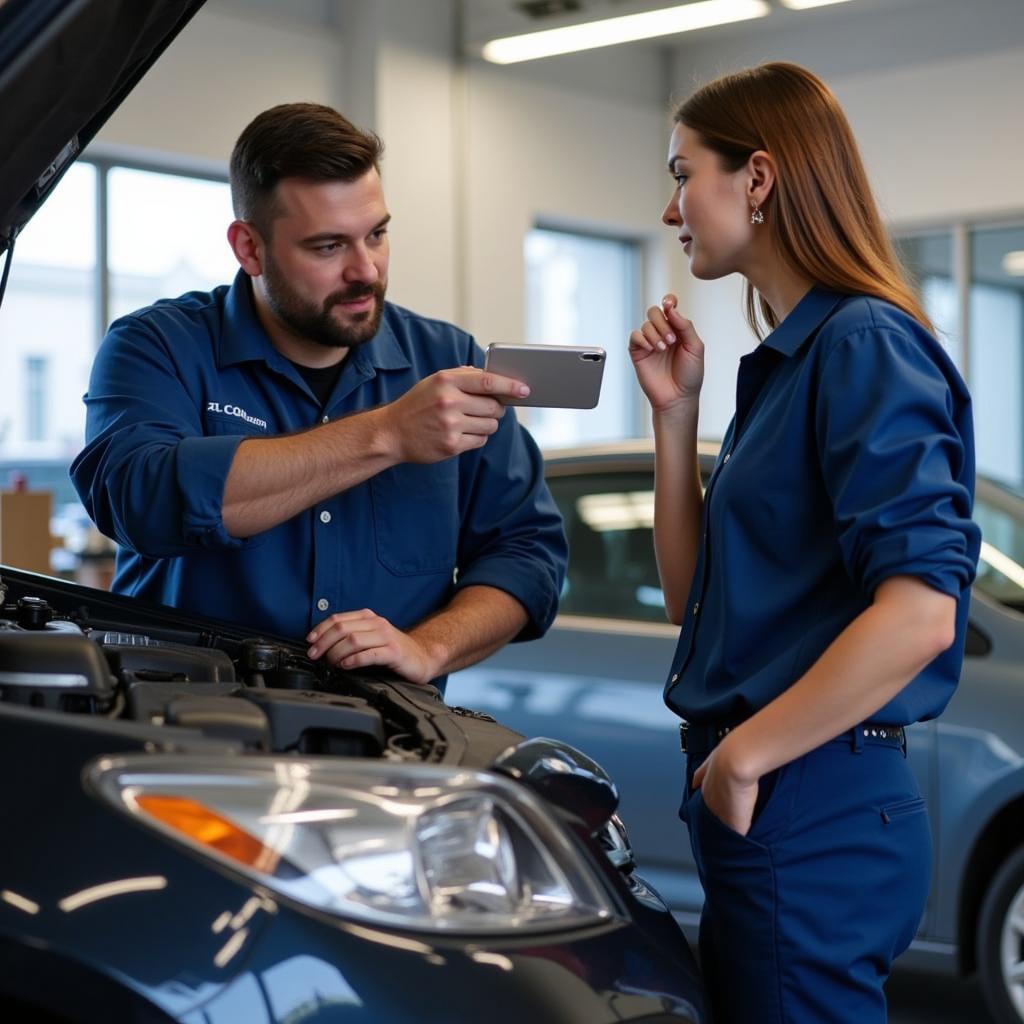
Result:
{"points": [[757, 217]]}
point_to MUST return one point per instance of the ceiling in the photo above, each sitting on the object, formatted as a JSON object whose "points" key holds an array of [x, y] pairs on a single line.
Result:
{"points": [[858, 36], [489, 19]]}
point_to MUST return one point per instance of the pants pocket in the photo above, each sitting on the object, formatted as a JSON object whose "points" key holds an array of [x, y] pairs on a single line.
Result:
{"points": [[738, 924], [901, 808]]}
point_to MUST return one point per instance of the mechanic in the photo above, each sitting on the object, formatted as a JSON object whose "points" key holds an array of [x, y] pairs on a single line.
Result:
{"points": [[294, 454], [823, 579]]}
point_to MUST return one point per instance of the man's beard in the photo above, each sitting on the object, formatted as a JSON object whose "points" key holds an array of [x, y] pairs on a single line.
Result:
{"points": [[316, 323]]}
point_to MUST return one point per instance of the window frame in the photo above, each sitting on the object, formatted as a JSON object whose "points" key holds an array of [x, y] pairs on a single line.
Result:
{"points": [[103, 159], [639, 273], [960, 230], [109, 158]]}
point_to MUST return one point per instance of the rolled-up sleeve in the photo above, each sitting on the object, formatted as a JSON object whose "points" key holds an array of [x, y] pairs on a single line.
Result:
{"points": [[147, 475], [895, 460], [512, 535]]}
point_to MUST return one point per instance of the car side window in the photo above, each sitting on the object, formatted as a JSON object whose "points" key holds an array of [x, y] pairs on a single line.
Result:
{"points": [[609, 520], [1001, 566]]}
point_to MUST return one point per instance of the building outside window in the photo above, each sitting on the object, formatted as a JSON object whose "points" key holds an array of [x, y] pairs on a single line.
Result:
{"points": [[75, 270], [168, 235], [35, 398]]}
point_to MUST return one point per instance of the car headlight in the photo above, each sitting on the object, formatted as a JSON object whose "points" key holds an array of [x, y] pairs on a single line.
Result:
{"points": [[418, 847]]}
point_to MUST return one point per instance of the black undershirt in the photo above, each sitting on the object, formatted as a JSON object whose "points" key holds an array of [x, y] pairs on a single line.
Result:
{"points": [[321, 381]]}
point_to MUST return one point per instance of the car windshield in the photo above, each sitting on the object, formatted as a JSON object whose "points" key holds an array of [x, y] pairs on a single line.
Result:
{"points": [[608, 521]]}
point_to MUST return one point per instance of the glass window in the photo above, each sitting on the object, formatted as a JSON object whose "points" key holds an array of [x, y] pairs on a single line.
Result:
{"points": [[49, 323], [996, 350], [584, 290], [167, 237], [928, 259]]}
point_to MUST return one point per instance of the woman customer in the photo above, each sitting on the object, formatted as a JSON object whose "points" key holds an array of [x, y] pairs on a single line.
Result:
{"points": [[822, 580]]}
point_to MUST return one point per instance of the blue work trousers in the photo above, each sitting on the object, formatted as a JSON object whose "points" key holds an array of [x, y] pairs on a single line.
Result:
{"points": [[804, 915]]}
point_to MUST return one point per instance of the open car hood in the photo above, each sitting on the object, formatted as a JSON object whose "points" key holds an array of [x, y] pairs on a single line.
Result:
{"points": [[65, 66]]}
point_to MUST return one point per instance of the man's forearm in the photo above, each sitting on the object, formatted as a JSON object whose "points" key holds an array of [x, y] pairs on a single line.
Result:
{"points": [[448, 413], [272, 479], [477, 622]]}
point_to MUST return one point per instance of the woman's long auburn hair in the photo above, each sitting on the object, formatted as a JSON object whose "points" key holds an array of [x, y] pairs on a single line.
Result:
{"points": [[821, 211]]}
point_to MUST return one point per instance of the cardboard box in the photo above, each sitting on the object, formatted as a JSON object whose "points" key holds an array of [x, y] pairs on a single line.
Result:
{"points": [[25, 540]]}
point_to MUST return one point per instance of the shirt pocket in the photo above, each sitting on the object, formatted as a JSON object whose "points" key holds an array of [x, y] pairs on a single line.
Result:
{"points": [[416, 517], [221, 425]]}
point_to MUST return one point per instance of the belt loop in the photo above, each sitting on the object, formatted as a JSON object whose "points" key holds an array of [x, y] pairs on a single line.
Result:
{"points": [[903, 742], [857, 740]]}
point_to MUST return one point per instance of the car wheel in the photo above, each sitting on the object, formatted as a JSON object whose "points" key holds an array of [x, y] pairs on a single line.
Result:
{"points": [[1001, 942]]}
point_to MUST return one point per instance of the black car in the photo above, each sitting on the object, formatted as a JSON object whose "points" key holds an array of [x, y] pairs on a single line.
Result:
{"points": [[198, 824]]}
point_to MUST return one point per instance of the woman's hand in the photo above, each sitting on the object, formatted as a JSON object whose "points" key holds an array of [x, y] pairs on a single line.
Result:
{"points": [[668, 357], [729, 796]]}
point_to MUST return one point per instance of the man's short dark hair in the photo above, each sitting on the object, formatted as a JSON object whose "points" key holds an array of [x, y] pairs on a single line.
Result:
{"points": [[295, 140]]}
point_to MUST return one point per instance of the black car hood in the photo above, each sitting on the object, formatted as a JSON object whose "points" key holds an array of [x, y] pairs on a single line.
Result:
{"points": [[65, 66]]}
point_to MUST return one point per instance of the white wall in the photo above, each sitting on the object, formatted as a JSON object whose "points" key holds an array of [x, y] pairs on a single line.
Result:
{"points": [[217, 75], [402, 81], [942, 139], [476, 154], [935, 102], [537, 152]]}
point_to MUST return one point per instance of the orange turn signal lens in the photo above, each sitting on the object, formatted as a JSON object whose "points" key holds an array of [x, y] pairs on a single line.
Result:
{"points": [[198, 823]]}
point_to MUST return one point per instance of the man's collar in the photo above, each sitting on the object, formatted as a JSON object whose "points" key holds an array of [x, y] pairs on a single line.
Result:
{"points": [[244, 339], [803, 320]]}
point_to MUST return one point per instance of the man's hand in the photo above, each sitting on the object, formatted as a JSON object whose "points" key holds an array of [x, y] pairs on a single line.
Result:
{"points": [[356, 639], [448, 413]]}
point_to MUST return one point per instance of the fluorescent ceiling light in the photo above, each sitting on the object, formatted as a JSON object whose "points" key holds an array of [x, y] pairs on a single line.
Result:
{"points": [[1013, 263], [626, 29], [803, 5]]}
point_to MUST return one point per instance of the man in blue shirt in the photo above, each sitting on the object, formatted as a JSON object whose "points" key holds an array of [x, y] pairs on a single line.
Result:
{"points": [[297, 455]]}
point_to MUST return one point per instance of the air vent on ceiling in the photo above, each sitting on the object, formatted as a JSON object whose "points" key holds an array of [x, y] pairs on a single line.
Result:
{"points": [[548, 8]]}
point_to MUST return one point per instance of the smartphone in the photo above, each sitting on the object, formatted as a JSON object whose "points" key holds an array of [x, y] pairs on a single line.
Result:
{"points": [[559, 376]]}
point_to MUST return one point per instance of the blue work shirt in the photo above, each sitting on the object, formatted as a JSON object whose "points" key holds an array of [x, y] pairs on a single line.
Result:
{"points": [[175, 389], [850, 460]]}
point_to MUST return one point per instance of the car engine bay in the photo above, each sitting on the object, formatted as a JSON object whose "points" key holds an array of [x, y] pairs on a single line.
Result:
{"points": [[72, 650]]}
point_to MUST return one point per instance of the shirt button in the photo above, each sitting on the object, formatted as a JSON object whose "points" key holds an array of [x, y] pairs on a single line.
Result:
{"points": [[696, 608], [325, 516], [675, 677], [324, 419], [323, 604]]}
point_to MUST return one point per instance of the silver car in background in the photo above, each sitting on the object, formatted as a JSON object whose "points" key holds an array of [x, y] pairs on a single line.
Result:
{"points": [[596, 682]]}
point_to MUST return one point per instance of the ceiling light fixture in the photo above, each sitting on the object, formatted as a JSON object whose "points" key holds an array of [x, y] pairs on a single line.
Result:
{"points": [[626, 29], [1013, 263], [803, 5]]}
